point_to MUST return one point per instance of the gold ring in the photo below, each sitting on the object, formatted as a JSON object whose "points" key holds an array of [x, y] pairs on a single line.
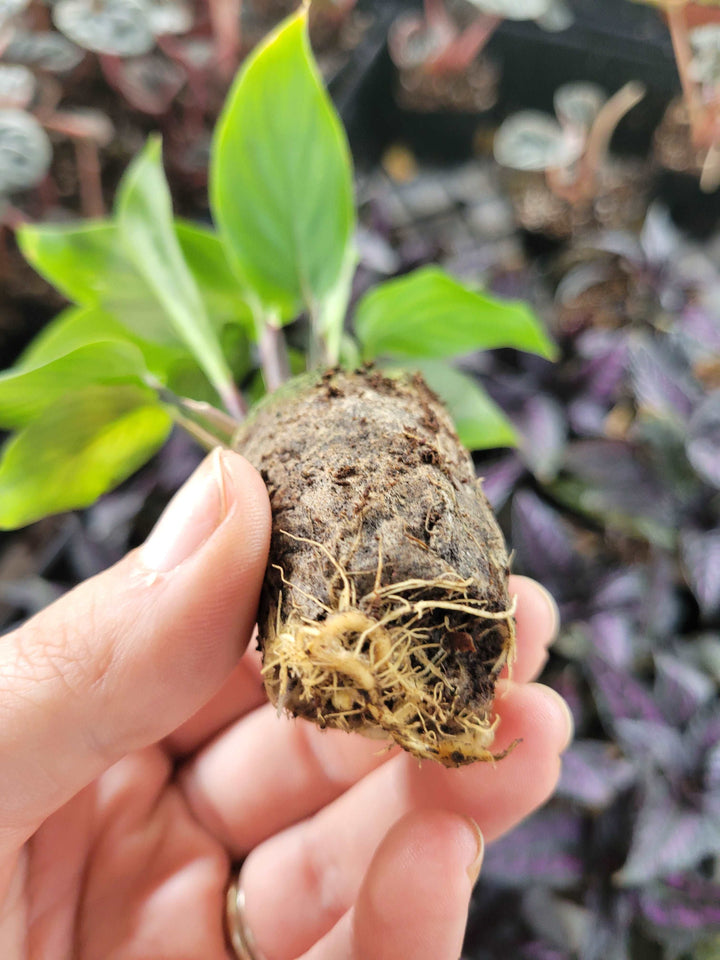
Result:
{"points": [[238, 932]]}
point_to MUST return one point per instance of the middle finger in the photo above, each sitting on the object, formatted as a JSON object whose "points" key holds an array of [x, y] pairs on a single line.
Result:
{"points": [[310, 874]]}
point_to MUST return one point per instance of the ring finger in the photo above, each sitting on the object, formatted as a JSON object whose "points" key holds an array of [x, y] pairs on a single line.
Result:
{"points": [[310, 873]]}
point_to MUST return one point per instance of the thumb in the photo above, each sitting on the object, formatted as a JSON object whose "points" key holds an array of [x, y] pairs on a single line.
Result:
{"points": [[126, 657]]}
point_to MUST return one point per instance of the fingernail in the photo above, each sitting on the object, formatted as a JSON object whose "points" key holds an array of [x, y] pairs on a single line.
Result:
{"points": [[570, 720], [554, 612], [473, 869], [190, 518]]}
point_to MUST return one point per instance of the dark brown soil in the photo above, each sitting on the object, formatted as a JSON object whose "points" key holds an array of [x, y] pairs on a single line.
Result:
{"points": [[385, 606]]}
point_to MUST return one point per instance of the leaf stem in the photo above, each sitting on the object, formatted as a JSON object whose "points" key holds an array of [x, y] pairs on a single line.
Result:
{"points": [[273, 356], [205, 423], [683, 57], [233, 401]]}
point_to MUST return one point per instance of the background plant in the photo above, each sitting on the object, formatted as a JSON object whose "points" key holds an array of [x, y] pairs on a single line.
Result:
{"points": [[450, 35], [162, 306], [695, 31]]}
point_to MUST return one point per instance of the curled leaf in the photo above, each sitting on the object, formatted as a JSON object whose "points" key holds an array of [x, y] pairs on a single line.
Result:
{"points": [[531, 140], [578, 104], [17, 86], [703, 441], [45, 50], [117, 27], [25, 151]]}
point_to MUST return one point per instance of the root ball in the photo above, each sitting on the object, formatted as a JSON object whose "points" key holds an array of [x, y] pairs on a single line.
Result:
{"points": [[385, 607]]}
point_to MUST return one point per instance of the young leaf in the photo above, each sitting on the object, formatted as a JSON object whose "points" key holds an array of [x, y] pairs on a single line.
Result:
{"points": [[144, 215], [89, 266], [429, 314], [281, 175], [77, 327], [25, 394], [219, 287], [480, 423], [81, 446]]}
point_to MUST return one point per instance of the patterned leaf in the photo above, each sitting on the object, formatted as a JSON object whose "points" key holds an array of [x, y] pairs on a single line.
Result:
{"points": [[661, 385], [692, 904], [680, 688], [667, 839], [700, 553], [545, 849], [544, 431], [619, 696], [543, 543], [652, 741], [593, 773], [703, 441]]}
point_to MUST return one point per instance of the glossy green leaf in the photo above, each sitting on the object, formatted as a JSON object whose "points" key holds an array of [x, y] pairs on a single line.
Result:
{"points": [[218, 284], [281, 175], [26, 393], [77, 327], [480, 423], [81, 446], [145, 219], [89, 265], [429, 314]]}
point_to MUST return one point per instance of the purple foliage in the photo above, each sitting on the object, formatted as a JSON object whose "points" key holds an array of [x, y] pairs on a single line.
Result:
{"points": [[543, 850], [544, 545], [660, 382], [594, 773], [619, 696], [700, 556], [690, 902], [703, 442], [543, 427]]}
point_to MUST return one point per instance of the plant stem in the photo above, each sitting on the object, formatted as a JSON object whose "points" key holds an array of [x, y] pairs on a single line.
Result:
{"points": [[233, 401], [459, 54], [89, 178], [225, 18], [583, 186], [435, 13], [206, 424], [710, 176], [273, 356], [683, 58], [609, 116]]}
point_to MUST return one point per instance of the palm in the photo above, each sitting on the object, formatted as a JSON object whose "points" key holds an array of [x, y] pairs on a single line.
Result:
{"points": [[125, 871], [137, 864]]}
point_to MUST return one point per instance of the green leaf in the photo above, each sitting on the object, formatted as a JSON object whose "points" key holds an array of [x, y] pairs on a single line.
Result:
{"points": [[26, 393], [81, 446], [429, 314], [281, 175], [88, 264], [219, 286], [144, 215], [77, 327], [480, 423]]}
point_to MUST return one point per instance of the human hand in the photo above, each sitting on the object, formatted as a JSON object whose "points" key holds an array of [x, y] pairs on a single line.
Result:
{"points": [[139, 759]]}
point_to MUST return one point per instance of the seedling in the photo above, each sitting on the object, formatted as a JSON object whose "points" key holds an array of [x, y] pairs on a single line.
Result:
{"points": [[572, 150], [160, 55], [441, 42], [695, 31], [385, 607]]}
